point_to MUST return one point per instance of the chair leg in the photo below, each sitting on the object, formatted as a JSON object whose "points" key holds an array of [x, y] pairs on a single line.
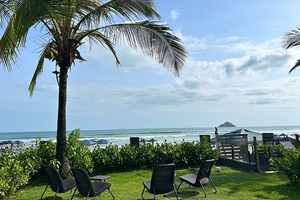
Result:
{"points": [[87, 196], [154, 193], [179, 186], [56, 192], [203, 189], [174, 188], [44, 191], [111, 194], [175, 191], [213, 185], [74, 193], [143, 192]]}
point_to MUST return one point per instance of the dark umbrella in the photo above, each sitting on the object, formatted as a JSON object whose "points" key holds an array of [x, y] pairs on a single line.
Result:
{"points": [[7, 142], [18, 142], [102, 141], [282, 135], [152, 140], [86, 142]]}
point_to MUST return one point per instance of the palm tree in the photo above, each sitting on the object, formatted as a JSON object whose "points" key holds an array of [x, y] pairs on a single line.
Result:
{"points": [[6, 8], [68, 24], [289, 40]]}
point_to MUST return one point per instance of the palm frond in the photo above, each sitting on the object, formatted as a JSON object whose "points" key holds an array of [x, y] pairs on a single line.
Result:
{"points": [[291, 39], [27, 13], [98, 37], [32, 12], [295, 66], [131, 10], [5, 10], [8, 47], [40, 66], [153, 39]]}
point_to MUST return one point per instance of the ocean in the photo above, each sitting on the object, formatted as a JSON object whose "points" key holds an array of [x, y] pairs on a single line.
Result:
{"points": [[122, 136]]}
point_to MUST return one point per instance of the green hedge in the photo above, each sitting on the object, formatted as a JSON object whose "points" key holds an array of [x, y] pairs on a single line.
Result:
{"points": [[288, 164], [148, 155], [286, 161], [16, 169], [273, 150]]}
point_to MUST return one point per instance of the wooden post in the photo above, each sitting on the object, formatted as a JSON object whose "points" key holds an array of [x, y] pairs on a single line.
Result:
{"points": [[256, 154], [297, 141]]}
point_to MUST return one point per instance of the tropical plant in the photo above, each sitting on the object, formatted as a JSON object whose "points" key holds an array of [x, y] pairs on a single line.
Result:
{"points": [[68, 24], [79, 154], [288, 164], [290, 40]]}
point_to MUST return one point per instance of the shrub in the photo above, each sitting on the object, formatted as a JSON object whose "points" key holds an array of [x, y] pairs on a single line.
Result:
{"points": [[45, 152], [288, 164], [148, 155], [274, 150], [79, 154], [16, 170]]}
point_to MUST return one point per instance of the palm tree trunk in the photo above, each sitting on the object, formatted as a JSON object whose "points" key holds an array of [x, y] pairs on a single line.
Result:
{"points": [[61, 149]]}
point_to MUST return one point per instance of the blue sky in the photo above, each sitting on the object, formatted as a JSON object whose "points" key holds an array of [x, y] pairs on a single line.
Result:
{"points": [[237, 72]]}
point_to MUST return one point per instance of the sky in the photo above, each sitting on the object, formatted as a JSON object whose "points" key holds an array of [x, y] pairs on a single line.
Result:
{"points": [[237, 71]]}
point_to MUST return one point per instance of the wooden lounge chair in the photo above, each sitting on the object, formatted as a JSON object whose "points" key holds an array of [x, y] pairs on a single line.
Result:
{"points": [[56, 183], [201, 179], [86, 187], [162, 180]]}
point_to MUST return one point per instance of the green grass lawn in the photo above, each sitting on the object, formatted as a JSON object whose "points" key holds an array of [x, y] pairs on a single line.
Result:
{"points": [[230, 183]]}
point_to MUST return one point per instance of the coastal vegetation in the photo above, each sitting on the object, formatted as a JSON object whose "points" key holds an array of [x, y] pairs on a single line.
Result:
{"points": [[23, 177], [69, 24], [285, 161], [17, 169]]}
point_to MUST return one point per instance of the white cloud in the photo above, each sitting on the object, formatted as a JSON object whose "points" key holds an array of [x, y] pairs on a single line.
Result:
{"points": [[243, 78], [128, 57], [174, 14], [257, 80]]}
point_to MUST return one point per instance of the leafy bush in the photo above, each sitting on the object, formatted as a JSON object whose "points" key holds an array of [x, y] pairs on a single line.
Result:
{"points": [[45, 152], [288, 164], [12, 174], [148, 155], [16, 170], [79, 154], [274, 150]]}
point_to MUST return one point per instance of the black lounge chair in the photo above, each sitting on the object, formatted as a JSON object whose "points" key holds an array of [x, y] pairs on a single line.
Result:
{"points": [[88, 188], [202, 178], [162, 180], [56, 183]]}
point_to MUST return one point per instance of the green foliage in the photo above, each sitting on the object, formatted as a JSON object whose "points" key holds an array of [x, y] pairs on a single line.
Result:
{"points": [[148, 155], [46, 151], [288, 164], [12, 174], [16, 169], [274, 150], [79, 154]]}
